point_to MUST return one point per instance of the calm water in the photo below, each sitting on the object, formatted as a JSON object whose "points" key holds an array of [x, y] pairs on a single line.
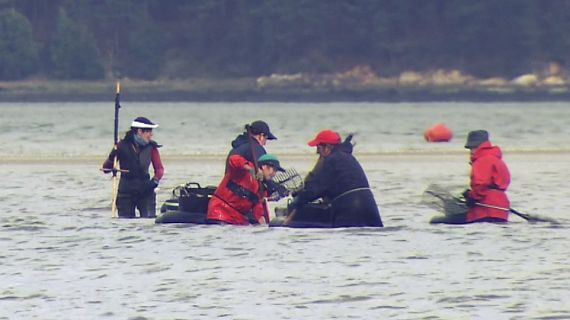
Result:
{"points": [[63, 257]]}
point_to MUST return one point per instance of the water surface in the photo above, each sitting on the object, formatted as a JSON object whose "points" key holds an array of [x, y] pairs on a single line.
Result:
{"points": [[63, 257]]}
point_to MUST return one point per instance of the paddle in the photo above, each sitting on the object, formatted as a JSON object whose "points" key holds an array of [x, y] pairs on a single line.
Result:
{"points": [[116, 159], [525, 216], [261, 185]]}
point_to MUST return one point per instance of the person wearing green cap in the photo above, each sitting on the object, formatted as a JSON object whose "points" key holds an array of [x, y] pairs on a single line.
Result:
{"points": [[238, 200]]}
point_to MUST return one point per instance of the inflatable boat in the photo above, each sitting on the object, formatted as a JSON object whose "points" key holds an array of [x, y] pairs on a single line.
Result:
{"points": [[189, 204]]}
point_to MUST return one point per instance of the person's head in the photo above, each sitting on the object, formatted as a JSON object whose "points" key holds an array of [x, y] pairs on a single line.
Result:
{"points": [[269, 165], [142, 128], [260, 131], [475, 138], [325, 141]]}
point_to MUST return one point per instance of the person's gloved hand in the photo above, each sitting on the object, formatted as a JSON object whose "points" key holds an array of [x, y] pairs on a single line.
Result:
{"points": [[470, 202], [150, 185], [256, 174]]}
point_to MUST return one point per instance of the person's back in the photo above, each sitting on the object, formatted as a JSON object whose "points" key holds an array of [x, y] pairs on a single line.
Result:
{"points": [[237, 194], [490, 178], [249, 144], [486, 200], [242, 145], [239, 198], [342, 180], [340, 172]]}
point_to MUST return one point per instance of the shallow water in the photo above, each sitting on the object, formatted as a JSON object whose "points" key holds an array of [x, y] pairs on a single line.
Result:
{"points": [[63, 257]]}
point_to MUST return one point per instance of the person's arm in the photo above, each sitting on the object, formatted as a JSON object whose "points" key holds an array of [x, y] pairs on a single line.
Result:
{"points": [[109, 162], [237, 161], [481, 179], [316, 186], [157, 164], [259, 211]]}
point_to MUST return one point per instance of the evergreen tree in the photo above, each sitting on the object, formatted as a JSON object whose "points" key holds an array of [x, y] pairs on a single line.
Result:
{"points": [[73, 51], [144, 45], [18, 50]]}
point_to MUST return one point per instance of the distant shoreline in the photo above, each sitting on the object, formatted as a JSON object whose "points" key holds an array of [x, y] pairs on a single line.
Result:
{"points": [[245, 90]]}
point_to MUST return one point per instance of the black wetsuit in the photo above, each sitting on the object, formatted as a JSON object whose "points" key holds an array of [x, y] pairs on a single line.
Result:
{"points": [[342, 180]]}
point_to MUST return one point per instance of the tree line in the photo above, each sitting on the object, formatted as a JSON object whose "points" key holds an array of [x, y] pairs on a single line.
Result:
{"points": [[150, 39]]}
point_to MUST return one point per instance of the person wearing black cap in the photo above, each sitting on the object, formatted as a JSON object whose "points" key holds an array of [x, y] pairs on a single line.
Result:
{"points": [[250, 144], [238, 200], [489, 180], [135, 153], [251, 141]]}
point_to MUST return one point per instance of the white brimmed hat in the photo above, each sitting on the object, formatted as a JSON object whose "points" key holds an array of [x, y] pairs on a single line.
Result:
{"points": [[143, 123]]}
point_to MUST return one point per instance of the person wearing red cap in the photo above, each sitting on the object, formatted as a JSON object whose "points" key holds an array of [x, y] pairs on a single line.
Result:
{"points": [[136, 152], [486, 199], [340, 179], [238, 200]]}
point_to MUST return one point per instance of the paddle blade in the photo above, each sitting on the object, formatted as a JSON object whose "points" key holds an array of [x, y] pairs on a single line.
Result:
{"points": [[533, 218]]}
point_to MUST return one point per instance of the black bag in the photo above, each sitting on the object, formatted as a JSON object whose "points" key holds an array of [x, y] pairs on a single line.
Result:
{"points": [[193, 198]]}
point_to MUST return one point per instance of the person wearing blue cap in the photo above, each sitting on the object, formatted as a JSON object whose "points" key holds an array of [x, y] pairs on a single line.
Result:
{"points": [[238, 200], [135, 153]]}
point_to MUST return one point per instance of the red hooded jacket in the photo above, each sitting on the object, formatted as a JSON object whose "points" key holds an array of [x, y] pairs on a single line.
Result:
{"points": [[237, 195], [490, 178]]}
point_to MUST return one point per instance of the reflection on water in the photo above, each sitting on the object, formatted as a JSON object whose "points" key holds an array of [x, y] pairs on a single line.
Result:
{"points": [[63, 257]]}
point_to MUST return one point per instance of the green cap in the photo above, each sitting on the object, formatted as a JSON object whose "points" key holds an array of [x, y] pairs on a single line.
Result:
{"points": [[271, 160]]}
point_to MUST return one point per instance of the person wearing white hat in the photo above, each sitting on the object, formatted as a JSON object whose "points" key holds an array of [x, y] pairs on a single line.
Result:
{"points": [[135, 153]]}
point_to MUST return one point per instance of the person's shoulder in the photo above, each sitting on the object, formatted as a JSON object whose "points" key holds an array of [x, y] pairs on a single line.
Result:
{"points": [[122, 143], [155, 144], [336, 158], [237, 157]]}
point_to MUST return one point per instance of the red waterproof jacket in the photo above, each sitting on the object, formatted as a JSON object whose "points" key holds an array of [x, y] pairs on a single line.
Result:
{"points": [[237, 195], [490, 178]]}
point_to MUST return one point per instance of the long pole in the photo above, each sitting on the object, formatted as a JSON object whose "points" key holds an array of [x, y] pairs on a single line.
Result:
{"points": [[527, 217], [116, 159], [261, 186]]}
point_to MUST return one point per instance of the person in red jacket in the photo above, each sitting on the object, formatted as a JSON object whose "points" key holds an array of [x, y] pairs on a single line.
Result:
{"points": [[486, 199], [239, 199], [490, 178]]}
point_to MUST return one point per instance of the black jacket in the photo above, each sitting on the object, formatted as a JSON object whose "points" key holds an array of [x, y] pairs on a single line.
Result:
{"points": [[340, 172], [137, 161], [241, 146]]}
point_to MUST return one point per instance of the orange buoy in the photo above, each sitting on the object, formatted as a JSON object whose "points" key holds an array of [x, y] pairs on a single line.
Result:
{"points": [[438, 133]]}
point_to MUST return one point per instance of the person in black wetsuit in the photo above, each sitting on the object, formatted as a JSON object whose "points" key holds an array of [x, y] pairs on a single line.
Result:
{"points": [[340, 179]]}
